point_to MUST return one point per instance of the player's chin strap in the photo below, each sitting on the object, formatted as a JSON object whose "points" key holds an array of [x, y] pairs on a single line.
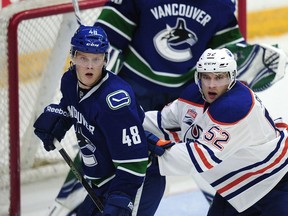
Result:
{"points": [[84, 84]]}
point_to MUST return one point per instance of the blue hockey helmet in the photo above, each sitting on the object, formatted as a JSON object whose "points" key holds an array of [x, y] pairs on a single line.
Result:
{"points": [[89, 39]]}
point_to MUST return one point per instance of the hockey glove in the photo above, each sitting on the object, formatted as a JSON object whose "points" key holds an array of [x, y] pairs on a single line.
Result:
{"points": [[118, 204], [52, 123], [156, 145]]}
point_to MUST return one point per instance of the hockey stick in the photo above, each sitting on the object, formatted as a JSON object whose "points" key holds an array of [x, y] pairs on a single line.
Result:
{"points": [[79, 176], [77, 11]]}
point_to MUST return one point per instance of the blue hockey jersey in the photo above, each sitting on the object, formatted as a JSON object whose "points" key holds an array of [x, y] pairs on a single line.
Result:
{"points": [[108, 125], [162, 40]]}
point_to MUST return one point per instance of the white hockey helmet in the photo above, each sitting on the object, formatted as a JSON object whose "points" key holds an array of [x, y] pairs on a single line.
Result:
{"points": [[217, 61]]}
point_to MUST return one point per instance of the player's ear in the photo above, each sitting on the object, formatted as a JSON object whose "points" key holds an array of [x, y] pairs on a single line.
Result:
{"points": [[73, 54]]}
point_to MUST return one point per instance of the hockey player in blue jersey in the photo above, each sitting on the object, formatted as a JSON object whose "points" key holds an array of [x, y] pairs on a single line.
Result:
{"points": [[107, 122], [228, 138], [160, 42]]}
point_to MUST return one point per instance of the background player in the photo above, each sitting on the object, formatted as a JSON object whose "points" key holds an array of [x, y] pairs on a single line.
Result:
{"points": [[160, 43]]}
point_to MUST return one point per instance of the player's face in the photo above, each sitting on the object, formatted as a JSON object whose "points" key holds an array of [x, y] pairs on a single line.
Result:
{"points": [[214, 85], [89, 68]]}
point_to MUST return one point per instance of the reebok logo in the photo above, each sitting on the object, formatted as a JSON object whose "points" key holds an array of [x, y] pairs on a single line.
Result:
{"points": [[57, 110]]}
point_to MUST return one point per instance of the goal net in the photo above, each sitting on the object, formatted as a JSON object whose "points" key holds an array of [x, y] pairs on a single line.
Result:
{"points": [[34, 41]]}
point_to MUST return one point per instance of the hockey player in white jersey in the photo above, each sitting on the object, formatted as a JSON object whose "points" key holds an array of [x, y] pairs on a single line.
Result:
{"points": [[229, 138]]}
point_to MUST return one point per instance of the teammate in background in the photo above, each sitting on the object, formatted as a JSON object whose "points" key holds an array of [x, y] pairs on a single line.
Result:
{"points": [[107, 122], [229, 138], [159, 43]]}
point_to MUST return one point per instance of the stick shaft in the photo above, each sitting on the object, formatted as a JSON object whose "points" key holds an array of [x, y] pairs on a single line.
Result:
{"points": [[79, 176], [77, 11]]}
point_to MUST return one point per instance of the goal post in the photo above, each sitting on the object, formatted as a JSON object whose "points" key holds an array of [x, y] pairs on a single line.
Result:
{"points": [[242, 16], [35, 40]]}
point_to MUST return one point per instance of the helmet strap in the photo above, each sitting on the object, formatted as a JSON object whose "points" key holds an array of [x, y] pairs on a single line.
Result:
{"points": [[84, 84]]}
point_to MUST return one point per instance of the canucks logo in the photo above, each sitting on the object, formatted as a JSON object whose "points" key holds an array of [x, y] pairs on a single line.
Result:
{"points": [[118, 99], [173, 43]]}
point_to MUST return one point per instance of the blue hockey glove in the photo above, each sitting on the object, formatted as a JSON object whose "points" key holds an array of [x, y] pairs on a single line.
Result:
{"points": [[156, 145], [52, 123], [118, 204], [47, 139]]}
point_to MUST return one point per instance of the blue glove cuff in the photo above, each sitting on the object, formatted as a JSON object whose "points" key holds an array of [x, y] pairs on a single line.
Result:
{"points": [[155, 145]]}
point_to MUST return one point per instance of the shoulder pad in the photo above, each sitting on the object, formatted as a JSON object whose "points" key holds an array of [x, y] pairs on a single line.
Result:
{"points": [[233, 106]]}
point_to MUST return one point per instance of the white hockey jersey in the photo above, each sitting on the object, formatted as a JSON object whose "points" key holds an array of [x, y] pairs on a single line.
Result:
{"points": [[232, 143]]}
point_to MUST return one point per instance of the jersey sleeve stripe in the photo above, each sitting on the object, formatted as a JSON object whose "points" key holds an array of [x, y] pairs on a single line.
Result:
{"points": [[193, 159], [175, 136], [246, 176], [202, 156], [211, 154], [254, 182], [252, 166], [131, 171], [198, 154]]}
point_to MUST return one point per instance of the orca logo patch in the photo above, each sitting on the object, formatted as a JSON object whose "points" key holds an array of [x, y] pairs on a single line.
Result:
{"points": [[174, 43]]}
